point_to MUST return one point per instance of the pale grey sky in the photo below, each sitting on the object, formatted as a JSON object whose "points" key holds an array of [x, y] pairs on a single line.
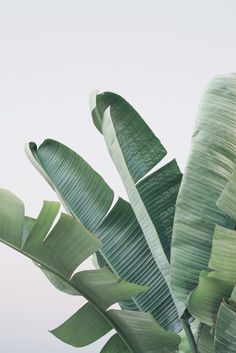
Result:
{"points": [[158, 54]]}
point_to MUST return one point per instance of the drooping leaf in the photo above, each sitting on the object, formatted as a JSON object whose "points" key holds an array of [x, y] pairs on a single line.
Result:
{"points": [[58, 250], [124, 250], [83, 328], [146, 336], [209, 167]]}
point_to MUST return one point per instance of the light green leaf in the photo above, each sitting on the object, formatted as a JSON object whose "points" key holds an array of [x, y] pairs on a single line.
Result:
{"points": [[59, 251], [41, 226], [225, 339], [11, 218], [204, 301], [223, 259], [210, 165], [226, 202]]}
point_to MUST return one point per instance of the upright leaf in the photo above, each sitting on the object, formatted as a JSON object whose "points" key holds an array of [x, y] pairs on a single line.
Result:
{"points": [[210, 165], [135, 150]]}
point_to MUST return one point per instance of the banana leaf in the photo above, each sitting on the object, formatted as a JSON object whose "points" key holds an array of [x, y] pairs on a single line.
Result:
{"points": [[210, 165], [124, 247], [58, 250]]}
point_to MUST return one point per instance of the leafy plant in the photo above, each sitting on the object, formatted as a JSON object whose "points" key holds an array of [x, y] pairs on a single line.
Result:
{"points": [[162, 283]]}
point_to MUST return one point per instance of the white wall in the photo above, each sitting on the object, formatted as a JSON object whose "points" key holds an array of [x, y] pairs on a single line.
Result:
{"points": [[157, 54]]}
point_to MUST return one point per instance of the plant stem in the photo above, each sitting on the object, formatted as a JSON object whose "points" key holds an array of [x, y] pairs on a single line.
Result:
{"points": [[189, 335]]}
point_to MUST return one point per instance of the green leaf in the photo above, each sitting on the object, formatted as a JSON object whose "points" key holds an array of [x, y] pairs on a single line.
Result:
{"points": [[223, 259], [41, 226], [232, 299], [58, 252], [217, 285], [141, 148], [115, 345], [59, 282], [146, 336], [226, 202], [204, 301], [205, 342], [109, 289], [210, 165], [11, 218], [124, 250], [83, 328], [127, 253], [225, 339], [135, 150], [80, 187]]}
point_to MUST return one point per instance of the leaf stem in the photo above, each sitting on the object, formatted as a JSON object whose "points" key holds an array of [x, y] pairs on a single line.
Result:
{"points": [[189, 335]]}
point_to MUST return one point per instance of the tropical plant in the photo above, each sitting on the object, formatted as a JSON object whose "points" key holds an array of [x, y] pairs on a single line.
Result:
{"points": [[176, 293]]}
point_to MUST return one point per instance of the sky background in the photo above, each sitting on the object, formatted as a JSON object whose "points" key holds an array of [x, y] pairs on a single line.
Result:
{"points": [[159, 55]]}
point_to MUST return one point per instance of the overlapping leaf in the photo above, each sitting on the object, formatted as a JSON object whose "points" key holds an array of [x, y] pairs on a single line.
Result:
{"points": [[135, 150], [213, 302], [124, 249], [58, 250], [210, 165]]}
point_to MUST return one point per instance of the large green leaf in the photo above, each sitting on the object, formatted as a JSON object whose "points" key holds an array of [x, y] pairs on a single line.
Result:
{"points": [[216, 285], [135, 150], [223, 260], [124, 249], [213, 302], [210, 165], [59, 251]]}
